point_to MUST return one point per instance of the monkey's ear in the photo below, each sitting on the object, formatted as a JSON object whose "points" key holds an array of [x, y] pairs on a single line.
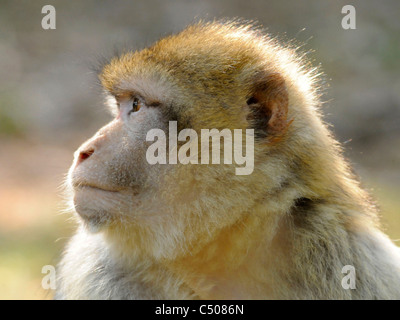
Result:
{"points": [[269, 106]]}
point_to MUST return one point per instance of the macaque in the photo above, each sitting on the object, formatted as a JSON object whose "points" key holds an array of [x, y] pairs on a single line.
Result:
{"points": [[193, 230]]}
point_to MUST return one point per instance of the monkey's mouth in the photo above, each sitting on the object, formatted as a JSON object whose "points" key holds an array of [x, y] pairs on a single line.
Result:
{"points": [[87, 186]]}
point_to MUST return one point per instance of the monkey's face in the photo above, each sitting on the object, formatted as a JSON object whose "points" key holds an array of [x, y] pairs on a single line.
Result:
{"points": [[116, 182], [111, 176]]}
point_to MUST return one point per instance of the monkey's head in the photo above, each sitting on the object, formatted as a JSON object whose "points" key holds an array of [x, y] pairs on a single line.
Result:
{"points": [[209, 76]]}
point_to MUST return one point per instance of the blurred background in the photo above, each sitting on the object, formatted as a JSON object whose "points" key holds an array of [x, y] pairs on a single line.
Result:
{"points": [[50, 102]]}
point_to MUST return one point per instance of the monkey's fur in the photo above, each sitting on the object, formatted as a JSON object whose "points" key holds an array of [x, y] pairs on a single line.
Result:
{"points": [[200, 231]]}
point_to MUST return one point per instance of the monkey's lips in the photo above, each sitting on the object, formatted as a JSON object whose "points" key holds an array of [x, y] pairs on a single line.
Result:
{"points": [[88, 186]]}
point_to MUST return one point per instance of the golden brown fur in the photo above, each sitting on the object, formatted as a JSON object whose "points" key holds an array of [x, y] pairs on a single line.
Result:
{"points": [[200, 231]]}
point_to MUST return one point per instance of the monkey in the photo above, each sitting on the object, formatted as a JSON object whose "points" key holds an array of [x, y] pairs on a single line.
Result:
{"points": [[200, 231]]}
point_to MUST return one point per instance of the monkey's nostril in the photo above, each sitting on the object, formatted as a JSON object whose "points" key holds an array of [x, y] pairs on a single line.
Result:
{"points": [[83, 155]]}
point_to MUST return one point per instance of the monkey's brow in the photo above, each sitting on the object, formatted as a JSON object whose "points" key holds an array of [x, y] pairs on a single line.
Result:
{"points": [[153, 103], [132, 94]]}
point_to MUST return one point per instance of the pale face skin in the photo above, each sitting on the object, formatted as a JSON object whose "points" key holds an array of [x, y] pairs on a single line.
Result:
{"points": [[110, 174]]}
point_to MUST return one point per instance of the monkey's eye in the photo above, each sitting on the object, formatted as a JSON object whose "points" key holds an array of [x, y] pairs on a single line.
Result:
{"points": [[136, 105]]}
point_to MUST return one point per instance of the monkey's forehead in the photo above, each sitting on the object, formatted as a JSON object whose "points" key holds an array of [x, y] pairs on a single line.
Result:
{"points": [[211, 55], [210, 60]]}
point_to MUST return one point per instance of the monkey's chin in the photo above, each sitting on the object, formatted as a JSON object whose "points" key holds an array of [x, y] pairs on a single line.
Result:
{"points": [[91, 205], [93, 219]]}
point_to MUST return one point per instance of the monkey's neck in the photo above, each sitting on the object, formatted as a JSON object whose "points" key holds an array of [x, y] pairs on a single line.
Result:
{"points": [[234, 264], [262, 251]]}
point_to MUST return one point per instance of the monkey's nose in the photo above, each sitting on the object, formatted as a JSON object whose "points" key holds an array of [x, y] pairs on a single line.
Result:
{"points": [[83, 155]]}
